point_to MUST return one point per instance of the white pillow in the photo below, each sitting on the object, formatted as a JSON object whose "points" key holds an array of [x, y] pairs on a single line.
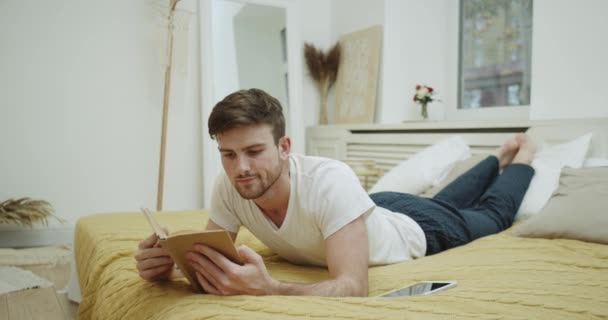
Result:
{"points": [[424, 169], [548, 163]]}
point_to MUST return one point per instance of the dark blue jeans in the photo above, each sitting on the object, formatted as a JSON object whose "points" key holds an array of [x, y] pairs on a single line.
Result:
{"points": [[478, 203]]}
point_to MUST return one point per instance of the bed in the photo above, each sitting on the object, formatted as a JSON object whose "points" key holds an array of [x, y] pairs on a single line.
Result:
{"points": [[499, 277]]}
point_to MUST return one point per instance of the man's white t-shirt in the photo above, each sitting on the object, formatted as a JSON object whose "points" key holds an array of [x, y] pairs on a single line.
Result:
{"points": [[325, 196]]}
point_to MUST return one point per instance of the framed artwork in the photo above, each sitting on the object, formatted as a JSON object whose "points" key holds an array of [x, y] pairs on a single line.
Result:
{"points": [[357, 81]]}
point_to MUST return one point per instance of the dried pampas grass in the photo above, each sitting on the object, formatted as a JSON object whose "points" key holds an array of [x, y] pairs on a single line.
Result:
{"points": [[25, 211], [323, 69]]}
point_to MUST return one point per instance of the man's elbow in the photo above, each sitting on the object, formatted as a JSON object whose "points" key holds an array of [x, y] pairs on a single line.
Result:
{"points": [[361, 290], [357, 288]]}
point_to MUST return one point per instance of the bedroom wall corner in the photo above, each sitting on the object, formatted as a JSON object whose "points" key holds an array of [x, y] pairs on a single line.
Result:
{"points": [[82, 84]]}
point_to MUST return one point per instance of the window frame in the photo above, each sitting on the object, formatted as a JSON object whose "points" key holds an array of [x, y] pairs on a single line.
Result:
{"points": [[454, 46]]}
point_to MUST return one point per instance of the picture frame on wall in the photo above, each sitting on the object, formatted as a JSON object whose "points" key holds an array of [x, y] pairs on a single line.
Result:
{"points": [[357, 81]]}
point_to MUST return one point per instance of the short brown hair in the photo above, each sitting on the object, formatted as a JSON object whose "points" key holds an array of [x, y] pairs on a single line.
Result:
{"points": [[247, 107]]}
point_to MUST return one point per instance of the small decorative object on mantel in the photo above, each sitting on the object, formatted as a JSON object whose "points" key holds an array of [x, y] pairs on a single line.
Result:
{"points": [[323, 69], [424, 95], [26, 212]]}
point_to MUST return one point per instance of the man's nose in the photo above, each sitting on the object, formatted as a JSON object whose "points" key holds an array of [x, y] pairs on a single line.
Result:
{"points": [[243, 164]]}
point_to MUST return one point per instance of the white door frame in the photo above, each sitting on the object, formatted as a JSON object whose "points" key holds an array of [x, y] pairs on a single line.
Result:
{"points": [[295, 127]]}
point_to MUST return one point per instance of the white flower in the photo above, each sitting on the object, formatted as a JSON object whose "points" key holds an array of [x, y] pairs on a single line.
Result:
{"points": [[423, 91]]}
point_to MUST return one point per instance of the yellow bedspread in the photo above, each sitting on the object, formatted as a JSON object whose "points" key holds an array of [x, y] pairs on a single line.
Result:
{"points": [[499, 277]]}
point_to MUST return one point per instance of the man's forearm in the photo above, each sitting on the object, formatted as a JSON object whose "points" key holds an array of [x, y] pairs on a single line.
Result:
{"points": [[341, 287]]}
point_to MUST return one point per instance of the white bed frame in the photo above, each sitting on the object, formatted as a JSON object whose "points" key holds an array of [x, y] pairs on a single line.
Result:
{"points": [[388, 145]]}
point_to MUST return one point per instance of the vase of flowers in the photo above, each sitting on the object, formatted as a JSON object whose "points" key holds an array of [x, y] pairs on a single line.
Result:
{"points": [[423, 96]]}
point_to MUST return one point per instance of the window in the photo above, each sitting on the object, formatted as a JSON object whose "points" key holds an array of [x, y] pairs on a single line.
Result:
{"points": [[495, 53]]}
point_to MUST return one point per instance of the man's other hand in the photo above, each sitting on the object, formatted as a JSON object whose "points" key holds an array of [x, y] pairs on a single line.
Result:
{"points": [[152, 261]]}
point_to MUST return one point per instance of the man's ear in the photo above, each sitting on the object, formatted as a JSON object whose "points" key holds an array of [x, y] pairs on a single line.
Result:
{"points": [[284, 147]]}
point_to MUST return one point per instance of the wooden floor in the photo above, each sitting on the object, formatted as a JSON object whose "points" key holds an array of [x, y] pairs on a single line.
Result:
{"points": [[43, 303]]}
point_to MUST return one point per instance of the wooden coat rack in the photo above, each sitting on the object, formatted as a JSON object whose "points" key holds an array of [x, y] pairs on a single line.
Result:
{"points": [[166, 96]]}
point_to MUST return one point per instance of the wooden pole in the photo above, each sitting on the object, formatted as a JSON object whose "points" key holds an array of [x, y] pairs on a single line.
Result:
{"points": [[166, 96]]}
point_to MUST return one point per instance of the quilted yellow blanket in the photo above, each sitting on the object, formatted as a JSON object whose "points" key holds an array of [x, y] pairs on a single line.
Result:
{"points": [[499, 277]]}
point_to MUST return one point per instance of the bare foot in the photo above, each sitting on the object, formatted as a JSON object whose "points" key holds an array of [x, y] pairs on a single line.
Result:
{"points": [[507, 151], [527, 149]]}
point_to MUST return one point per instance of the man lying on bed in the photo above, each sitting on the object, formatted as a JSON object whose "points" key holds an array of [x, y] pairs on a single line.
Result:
{"points": [[313, 210]]}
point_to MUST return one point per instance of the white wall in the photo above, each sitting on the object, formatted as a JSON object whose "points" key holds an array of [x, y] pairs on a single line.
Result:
{"points": [[259, 52], [414, 52], [420, 46], [315, 28], [226, 79], [352, 15], [413, 49], [81, 103], [569, 64]]}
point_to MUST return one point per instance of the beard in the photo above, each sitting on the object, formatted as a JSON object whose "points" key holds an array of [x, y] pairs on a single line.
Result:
{"points": [[259, 185]]}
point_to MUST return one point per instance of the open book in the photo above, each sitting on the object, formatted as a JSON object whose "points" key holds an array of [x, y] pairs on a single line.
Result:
{"points": [[179, 243]]}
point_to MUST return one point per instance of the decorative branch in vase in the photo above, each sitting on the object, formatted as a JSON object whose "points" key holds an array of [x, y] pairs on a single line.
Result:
{"points": [[26, 212], [323, 69]]}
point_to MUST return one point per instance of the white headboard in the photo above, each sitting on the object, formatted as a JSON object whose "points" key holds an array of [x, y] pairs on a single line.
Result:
{"points": [[388, 145], [559, 131]]}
